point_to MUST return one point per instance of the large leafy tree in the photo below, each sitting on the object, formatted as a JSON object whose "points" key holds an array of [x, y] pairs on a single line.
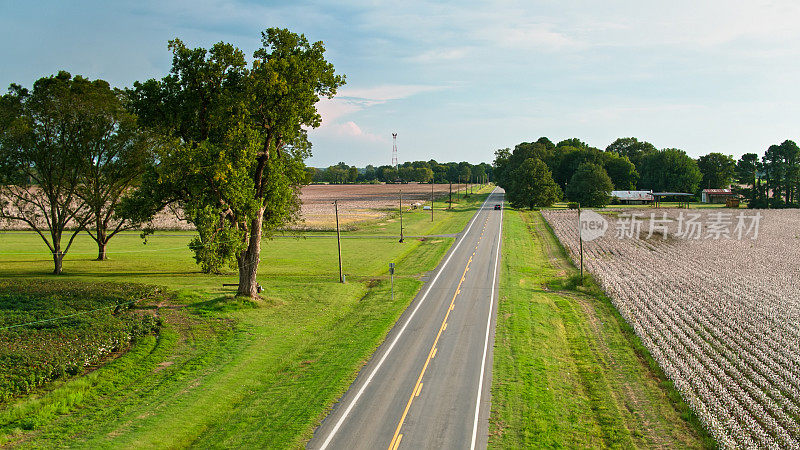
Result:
{"points": [[590, 186], [621, 171], [44, 136], [718, 170], [533, 185], [747, 169], [781, 166], [631, 148], [567, 159], [116, 154], [669, 170], [502, 167], [239, 141]]}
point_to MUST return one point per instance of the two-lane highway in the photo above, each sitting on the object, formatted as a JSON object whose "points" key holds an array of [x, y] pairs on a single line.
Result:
{"points": [[427, 385]]}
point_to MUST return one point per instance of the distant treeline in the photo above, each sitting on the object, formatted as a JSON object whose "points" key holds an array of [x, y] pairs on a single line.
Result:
{"points": [[540, 173], [772, 181], [418, 171]]}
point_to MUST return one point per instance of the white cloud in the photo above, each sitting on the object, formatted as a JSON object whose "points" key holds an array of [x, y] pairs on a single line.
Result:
{"points": [[351, 129], [383, 93], [529, 36], [352, 100], [441, 54]]}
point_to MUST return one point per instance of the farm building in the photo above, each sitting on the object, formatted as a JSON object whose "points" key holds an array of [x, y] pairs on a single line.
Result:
{"points": [[717, 195], [633, 197]]}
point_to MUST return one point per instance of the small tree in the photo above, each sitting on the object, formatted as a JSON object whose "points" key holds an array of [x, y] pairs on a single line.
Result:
{"points": [[44, 134], [590, 186], [533, 185]]}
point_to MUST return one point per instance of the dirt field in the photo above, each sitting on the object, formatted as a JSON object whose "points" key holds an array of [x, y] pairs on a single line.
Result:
{"points": [[357, 203], [360, 202]]}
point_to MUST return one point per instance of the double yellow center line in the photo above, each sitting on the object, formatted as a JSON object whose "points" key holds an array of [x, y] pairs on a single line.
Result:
{"points": [[418, 386]]}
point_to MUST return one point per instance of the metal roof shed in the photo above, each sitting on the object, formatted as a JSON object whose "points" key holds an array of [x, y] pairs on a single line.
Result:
{"points": [[633, 196], [683, 198]]}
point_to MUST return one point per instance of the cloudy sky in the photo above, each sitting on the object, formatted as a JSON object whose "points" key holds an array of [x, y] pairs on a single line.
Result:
{"points": [[457, 80]]}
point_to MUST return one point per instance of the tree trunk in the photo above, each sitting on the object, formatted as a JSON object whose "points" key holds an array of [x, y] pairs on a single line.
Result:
{"points": [[102, 241], [248, 262], [58, 255], [101, 250], [58, 259]]}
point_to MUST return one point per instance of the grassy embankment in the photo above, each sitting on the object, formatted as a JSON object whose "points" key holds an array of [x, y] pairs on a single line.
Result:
{"points": [[223, 372], [568, 371]]}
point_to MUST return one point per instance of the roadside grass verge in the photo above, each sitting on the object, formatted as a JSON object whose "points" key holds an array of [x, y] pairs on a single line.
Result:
{"points": [[223, 372], [567, 370]]}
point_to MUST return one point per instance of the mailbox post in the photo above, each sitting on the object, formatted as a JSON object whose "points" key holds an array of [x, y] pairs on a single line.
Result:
{"points": [[391, 275]]}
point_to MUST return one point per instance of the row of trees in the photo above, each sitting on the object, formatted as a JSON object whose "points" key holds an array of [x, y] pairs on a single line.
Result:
{"points": [[419, 171], [69, 151], [586, 174], [772, 181], [223, 139]]}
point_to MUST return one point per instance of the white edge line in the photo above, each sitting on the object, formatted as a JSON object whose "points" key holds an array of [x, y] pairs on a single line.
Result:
{"points": [[486, 342], [399, 333]]}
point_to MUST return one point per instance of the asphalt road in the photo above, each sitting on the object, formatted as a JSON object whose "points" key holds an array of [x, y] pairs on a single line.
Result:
{"points": [[427, 385]]}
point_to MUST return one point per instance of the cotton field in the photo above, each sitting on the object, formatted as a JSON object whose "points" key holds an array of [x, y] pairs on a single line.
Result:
{"points": [[714, 295]]}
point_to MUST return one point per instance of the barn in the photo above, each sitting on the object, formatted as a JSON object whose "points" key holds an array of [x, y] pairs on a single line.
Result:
{"points": [[633, 197], [717, 195]]}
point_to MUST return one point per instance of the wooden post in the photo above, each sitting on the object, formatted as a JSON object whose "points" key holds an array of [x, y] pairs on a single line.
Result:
{"points": [[338, 240], [450, 204], [580, 240], [431, 201], [401, 215]]}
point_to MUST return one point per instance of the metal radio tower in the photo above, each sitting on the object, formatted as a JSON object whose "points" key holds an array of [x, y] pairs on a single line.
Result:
{"points": [[394, 150]]}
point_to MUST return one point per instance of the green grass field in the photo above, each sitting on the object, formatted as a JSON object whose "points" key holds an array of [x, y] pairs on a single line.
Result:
{"points": [[224, 372], [568, 372]]}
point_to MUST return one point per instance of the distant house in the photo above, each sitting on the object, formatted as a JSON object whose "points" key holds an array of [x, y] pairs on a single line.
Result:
{"points": [[633, 197], [717, 195]]}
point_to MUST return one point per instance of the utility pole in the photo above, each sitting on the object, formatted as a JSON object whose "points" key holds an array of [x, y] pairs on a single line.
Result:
{"points": [[580, 239], [338, 240], [431, 201], [450, 203], [401, 215], [394, 153]]}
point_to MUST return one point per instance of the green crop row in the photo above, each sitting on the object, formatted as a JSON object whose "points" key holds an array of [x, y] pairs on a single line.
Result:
{"points": [[50, 329]]}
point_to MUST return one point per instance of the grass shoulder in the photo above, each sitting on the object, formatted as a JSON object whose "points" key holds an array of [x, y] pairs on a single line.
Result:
{"points": [[568, 370]]}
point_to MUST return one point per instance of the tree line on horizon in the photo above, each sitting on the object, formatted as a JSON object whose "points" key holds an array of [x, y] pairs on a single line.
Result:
{"points": [[409, 171], [540, 173]]}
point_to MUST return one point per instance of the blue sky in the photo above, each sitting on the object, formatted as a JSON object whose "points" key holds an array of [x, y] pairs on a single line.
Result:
{"points": [[457, 80]]}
